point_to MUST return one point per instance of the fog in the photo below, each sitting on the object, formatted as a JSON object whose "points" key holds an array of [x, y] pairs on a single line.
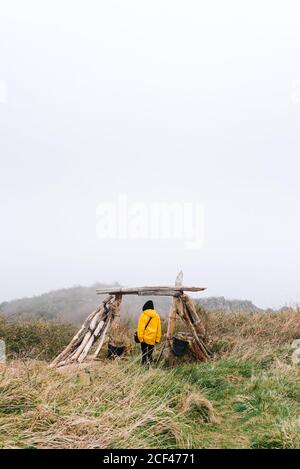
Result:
{"points": [[161, 102]]}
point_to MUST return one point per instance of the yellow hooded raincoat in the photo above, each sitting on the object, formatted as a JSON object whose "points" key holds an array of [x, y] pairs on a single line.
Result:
{"points": [[151, 334]]}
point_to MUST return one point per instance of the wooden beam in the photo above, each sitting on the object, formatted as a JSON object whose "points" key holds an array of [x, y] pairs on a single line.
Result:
{"points": [[151, 291]]}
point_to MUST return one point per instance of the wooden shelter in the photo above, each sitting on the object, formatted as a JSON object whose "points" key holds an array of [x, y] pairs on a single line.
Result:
{"points": [[104, 322]]}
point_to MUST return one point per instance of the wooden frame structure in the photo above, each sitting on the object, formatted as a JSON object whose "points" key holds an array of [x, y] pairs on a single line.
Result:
{"points": [[104, 321]]}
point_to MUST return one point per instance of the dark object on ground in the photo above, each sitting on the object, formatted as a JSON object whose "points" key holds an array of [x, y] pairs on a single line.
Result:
{"points": [[179, 347], [114, 352]]}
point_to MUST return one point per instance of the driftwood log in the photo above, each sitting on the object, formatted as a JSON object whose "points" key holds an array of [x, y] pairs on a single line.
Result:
{"points": [[149, 291]]}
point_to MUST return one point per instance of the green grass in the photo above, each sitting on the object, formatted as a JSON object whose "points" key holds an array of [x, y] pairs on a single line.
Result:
{"points": [[260, 404]]}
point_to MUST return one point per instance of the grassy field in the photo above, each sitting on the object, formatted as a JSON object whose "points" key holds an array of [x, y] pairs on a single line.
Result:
{"points": [[248, 396]]}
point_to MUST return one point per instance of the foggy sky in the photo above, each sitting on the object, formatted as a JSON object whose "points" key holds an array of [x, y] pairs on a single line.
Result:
{"points": [[184, 101]]}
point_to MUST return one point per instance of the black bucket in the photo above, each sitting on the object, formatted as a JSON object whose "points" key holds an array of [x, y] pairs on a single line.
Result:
{"points": [[114, 351], [179, 347]]}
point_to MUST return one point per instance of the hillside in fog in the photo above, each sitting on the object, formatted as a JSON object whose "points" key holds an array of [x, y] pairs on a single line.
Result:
{"points": [[74, 304]]}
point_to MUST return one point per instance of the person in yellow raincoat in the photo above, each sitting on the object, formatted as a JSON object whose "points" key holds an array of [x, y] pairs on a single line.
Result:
{"points": [[149, 331]]}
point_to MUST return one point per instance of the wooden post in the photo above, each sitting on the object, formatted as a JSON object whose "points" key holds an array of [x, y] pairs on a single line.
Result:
{"points": [[115, 322], [172, 320], [172, 314]]}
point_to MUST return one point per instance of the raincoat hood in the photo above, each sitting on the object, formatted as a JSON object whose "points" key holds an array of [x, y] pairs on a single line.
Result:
{"points": [[150, 312]]}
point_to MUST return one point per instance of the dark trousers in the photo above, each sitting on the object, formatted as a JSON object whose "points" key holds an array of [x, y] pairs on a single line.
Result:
{"points": [[147, 351]]}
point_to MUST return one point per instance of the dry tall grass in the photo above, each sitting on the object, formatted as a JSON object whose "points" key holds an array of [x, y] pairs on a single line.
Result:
{"points": [[252, 334], [36, 338], [247, 396], [113, 404]]}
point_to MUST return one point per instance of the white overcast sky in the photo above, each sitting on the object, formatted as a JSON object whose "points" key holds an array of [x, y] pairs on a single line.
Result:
{"points": [[161, 100]]}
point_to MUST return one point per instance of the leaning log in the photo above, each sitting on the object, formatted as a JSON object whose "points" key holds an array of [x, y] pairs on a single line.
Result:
{"points": [[193, 315], [198, 340], [102, 339], [77, 339], [93, 338]]}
